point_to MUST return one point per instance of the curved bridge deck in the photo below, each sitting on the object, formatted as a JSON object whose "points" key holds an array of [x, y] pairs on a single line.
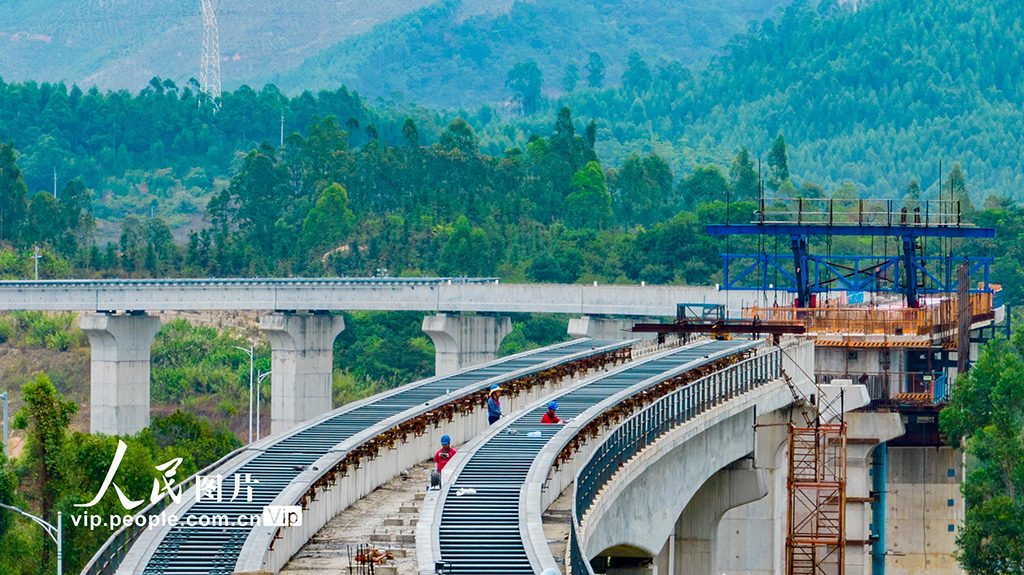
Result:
{"points": [[481, 533], [215, 550]]}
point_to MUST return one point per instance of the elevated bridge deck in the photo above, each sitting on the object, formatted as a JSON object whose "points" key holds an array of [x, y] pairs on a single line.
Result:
{"points": [[485, 295], [481, 532], [285, 463]]}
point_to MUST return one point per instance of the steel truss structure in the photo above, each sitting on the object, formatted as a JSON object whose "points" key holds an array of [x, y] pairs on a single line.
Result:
{"points": [[878, 274], [209, 72], [801, 219]]}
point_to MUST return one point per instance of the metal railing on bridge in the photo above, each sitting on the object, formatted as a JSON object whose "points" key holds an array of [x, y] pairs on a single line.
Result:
{"points": [[657, 419], [930, 320], [887, 387], [860, 212]]}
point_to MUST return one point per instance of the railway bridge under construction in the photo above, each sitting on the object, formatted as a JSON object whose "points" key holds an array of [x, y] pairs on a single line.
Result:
{"points": [[814, 451], [679, 454], [664, 439]]}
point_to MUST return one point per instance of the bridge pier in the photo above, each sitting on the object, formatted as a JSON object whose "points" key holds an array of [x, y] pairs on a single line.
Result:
{"points": [[607, 328], [462, 341], [696, 532], [302, 356], [120, 370]]}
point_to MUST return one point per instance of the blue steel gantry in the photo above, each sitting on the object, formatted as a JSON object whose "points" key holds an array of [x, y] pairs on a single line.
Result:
{"points": [[911, 221]]}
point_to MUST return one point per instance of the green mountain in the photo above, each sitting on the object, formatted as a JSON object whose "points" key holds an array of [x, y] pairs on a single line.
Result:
{"points": [[875, 97], [123, 43], [443, 56]]}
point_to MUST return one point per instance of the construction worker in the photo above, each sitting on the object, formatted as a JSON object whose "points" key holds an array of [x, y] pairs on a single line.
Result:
{"points": [[549, 415], [493, 407], [441, 458], [445, 454]]}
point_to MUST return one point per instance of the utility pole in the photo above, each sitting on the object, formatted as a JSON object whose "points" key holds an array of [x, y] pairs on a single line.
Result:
{"points": [[281, 147], [55, 182], [36, 257]]}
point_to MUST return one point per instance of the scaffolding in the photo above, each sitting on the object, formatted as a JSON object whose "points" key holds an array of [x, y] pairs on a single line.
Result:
{"points": [[816, 537], [939, 320]]}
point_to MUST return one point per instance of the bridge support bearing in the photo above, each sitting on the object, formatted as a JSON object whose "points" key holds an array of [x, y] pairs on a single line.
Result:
{"points": [[302, 354], [462, 341], [607, 328], [697, 528], [120, 370]]}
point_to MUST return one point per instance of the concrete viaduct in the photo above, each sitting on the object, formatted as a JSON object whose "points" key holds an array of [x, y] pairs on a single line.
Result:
{"points": [[692, 483], [301, 326], [688, 480]]}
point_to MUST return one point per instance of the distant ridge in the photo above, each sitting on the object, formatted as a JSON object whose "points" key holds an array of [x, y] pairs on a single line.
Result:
{"points": [[124, 43]]}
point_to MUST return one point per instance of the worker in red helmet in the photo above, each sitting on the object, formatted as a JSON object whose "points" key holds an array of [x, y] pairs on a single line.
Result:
{"points": [[550, 416]]}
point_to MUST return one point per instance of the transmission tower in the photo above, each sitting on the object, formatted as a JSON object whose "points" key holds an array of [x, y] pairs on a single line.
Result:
{"points": [[209, 74]]}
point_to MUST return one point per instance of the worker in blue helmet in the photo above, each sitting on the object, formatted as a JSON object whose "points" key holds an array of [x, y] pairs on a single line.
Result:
{"points": [[441, 458], [550, 416], [493, 407], [444, 455]]}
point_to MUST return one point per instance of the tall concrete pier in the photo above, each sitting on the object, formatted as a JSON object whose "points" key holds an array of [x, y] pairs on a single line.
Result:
{"points": [[462, 341], [120, 370], [302, 356]]}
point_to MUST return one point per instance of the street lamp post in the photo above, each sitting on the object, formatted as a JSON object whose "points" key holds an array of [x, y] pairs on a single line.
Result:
{"points": [[36, 257], [249, 350], [259, 381], [3, 396], [55, 533]]}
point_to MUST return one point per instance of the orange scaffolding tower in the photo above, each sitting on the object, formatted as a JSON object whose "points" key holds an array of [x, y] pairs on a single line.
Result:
{"points": [[816, 540]]}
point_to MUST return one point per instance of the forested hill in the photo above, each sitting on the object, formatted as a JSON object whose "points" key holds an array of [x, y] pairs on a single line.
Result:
{"points": [[122, 44], [875, 97], [439, 57]]}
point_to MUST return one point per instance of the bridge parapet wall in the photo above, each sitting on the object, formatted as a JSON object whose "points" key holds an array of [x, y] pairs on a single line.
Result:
{"points": [[708, 424]]}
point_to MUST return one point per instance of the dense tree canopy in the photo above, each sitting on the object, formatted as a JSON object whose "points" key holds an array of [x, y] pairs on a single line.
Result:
{"points": [[986, 417]]}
